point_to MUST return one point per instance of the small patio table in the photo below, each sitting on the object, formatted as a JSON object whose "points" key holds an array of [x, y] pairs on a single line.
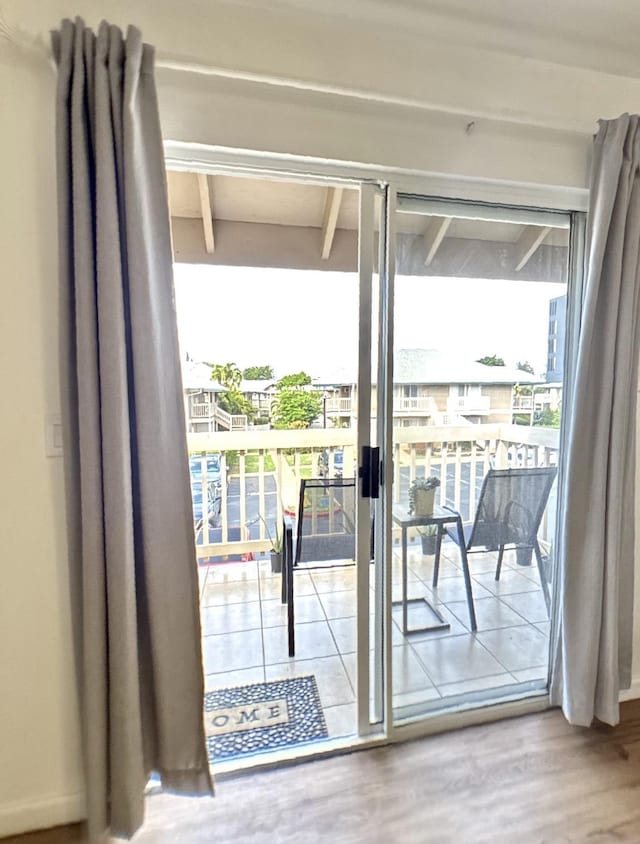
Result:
{"points": [[440, 517]]}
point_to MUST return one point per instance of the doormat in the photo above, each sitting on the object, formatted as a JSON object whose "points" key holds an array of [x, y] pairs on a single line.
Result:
{"points": [[260, 717]]}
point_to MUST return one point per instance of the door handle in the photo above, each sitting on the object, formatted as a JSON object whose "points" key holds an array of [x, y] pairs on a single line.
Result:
{"points": [[369, 471], [375, 472]]}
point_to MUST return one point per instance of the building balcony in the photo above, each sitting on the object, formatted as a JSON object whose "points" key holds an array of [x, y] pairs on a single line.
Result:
{"points": [[472, 405], [414, 406], [523, 404], [203, 410], [341, 406], [402, 406]]}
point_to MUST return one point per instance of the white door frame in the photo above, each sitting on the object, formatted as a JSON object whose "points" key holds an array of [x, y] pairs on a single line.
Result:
{"points": [[202, 158]]}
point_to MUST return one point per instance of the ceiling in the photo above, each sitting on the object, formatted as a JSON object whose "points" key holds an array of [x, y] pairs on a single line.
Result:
{"points": [[285, 203], [597, 34], [240, 199]]}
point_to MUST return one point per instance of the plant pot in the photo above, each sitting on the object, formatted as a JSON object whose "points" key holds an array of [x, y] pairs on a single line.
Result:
{"points": [[523, 556], [424, 502], [276, 562], [429, 542]]}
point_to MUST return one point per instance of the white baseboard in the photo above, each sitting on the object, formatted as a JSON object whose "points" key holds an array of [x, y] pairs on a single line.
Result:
{"points": [[631, 693], [41, 813]]}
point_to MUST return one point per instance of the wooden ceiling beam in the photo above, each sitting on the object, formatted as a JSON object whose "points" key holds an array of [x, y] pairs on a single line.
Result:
{"points": [[530, 239], [330, 220], [434, 235], [206, 212]]}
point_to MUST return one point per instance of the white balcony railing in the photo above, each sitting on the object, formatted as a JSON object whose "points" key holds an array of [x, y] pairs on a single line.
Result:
{"points": [[230, 421], [407, 405], [469, 404], [523, 403], [339, 405], [203, 410], [262, 472], [415, 405]]}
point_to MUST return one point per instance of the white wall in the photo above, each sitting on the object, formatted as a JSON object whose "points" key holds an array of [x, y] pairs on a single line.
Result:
{"points": [[40, 775], [39, 770]]}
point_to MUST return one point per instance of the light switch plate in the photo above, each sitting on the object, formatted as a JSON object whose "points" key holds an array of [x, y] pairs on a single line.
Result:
{"points": [[53, 435]]}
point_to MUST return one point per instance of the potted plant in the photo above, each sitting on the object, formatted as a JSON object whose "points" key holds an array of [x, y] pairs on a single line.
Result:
{"points": [[276, 549], [422, 494], [428, 538], [276, 556], [523, 555]]}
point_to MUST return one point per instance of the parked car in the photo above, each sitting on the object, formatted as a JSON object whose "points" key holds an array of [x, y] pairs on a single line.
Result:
{"points": [[338, 463], [214, 502], [213, 464]]}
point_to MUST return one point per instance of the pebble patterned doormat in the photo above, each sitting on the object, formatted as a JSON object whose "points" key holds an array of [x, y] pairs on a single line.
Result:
{"points": [[259, 717]]}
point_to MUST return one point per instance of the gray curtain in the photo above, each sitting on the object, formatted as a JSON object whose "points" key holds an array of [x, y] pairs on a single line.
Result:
{"points": [[593, 638], [131, 535]]}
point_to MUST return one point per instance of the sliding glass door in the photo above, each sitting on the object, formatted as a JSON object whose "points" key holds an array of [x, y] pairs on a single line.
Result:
{"points": [[478, 331], [411, 353]]}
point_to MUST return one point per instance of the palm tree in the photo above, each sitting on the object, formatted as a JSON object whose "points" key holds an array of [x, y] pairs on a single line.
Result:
{"points": [[227, 375]]}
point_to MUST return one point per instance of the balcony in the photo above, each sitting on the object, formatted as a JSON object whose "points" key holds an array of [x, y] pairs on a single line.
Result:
{"points": [[203, 410], [244, 623], [472, 405], [523, 404], [341, 406], [414, 406], [402, 406], [210, 411], [267, 467]]}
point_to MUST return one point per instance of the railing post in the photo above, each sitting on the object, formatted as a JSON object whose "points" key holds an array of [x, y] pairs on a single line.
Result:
{"points": [[277, 456], [262, 509], [472, 480], [224, 522], [243, 492], [412, 462], [444, 459], [457, 477], [502, 451]]}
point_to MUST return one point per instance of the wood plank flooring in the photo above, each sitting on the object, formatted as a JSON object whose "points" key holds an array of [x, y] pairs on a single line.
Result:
{"points": [[525, 780]]}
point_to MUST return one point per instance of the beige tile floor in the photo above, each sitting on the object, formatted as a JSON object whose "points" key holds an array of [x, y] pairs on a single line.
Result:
{"points": [[245, 638]]}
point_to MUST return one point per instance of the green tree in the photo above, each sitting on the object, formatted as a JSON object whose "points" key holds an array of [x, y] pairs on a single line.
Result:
{"points": [[236, 403], [295, 406], [525, 366], [232, 400], [296, 379], [226, 374], [491, 360], [548, 419], [257, 373]]}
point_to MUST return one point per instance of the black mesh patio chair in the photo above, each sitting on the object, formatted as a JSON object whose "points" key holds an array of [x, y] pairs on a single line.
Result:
{"points": [[326, 525], [510, 509], [324, 532]]}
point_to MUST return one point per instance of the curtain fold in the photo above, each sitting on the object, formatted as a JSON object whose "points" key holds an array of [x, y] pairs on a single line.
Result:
{"points": [[134, 571], [591, 653]]}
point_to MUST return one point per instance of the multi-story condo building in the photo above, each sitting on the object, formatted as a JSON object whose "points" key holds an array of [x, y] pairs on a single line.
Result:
{"points": [[556, 339], [432, 387]]}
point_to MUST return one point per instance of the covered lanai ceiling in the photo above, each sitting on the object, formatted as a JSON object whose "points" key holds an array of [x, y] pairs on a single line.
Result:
{"points": [[240, 221]]}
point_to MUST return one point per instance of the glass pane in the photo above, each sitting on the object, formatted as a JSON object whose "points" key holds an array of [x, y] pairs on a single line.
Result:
{"points": [[268, 328], [480, 306]]}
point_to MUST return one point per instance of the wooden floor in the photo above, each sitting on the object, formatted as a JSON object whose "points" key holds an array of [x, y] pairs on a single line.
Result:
{"points": [[530, 779]]}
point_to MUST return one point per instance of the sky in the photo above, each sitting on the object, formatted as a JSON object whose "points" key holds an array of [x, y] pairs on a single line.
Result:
{"points": [[308, 320]]}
